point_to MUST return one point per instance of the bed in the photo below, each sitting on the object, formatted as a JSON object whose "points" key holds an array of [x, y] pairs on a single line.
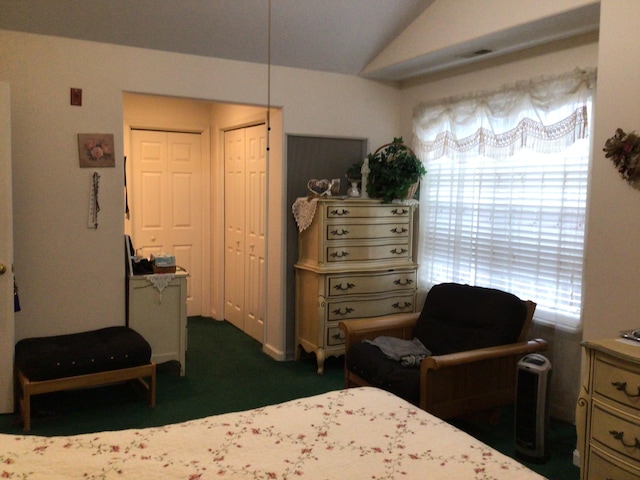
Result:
{"points": [[354, 433]]}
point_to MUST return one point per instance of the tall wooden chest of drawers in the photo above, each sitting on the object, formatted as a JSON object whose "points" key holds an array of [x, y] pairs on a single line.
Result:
{"points": [[355, 260], [608, 411]]}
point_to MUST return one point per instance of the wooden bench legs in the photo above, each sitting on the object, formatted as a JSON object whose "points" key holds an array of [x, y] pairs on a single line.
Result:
{"points": [[24, 388]]}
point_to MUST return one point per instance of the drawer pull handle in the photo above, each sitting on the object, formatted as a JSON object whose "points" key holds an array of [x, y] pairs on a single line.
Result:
{"points": [[337, 336], [620, 437], [403, 283], [340, 254], [402, 251], [401, 307], [402, 211], [347, 311], [340, 213], [622, 387], [399, 230], [339, 233], [340, 288]]}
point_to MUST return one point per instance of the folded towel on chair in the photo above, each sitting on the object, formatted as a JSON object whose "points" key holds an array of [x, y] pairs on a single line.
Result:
{"points": [[408, 352]]}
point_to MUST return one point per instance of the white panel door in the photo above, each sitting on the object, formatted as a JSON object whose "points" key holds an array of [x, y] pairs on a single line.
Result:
{"points": [[7, 328], [245, 229], [256, 230], [166, 204], [234, 227]]}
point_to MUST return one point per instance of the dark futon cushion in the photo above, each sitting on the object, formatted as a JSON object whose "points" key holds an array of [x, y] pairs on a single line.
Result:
{"points": [[111, 348], [368, 362], [458, 318]]}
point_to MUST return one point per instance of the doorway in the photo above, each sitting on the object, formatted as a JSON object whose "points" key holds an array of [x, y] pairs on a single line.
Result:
{"points": [[212, 120]]}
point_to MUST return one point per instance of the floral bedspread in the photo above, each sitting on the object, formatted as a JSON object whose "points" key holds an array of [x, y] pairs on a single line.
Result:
{"points": [[361, 433]]}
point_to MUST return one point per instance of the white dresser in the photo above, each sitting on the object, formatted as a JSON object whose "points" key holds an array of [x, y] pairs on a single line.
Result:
{"points": [[608, 411], [158, 312], [354, 260]]}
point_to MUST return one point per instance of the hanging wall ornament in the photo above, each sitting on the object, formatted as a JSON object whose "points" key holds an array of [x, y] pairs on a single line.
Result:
{"points": [[624, 151]]}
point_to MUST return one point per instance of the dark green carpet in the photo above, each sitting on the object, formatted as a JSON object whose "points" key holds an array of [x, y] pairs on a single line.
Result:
{"points": [[227, 371]]}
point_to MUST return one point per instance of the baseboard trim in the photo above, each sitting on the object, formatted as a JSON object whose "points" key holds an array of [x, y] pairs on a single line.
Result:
{"points": [[274, 353]]}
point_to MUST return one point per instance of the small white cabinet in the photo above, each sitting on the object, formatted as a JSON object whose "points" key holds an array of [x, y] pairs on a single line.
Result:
{"points": [[157, 310]]}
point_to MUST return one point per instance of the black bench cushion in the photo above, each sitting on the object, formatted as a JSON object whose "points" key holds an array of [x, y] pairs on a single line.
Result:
{"points": [[110, 348]]}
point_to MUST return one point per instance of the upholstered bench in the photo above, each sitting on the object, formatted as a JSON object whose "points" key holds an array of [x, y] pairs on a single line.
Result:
{"points": [[79, 360]]}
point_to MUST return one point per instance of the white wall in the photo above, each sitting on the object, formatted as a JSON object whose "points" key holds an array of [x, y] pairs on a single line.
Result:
{"points": [[72, 278], [612, 273]]}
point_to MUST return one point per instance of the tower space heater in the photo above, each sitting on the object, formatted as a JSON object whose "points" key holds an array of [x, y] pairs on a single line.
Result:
{"points": [[531, 411]]}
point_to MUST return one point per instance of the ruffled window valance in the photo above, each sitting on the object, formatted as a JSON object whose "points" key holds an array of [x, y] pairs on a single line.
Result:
{"points": [[549, 114]]}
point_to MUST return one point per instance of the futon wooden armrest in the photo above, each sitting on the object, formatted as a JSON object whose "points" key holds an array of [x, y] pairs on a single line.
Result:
{"points": [[436, 362], [398, 325]]}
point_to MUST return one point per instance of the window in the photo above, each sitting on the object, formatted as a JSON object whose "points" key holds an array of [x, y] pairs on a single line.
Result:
{"points": [[504, 206]]}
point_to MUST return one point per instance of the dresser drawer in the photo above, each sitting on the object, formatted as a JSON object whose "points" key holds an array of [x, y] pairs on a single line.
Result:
{"points": [[367, 231], [601, 466], [363, 284], [616, 430], [365, 307], [355, 210], [397, 251], [617, 381]]}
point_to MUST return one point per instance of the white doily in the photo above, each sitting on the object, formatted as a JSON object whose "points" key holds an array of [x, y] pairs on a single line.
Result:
{"points": [[304, 209], [160, 281]]}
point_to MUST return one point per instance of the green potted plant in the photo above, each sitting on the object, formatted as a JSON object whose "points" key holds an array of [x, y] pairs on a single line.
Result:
{"points": [[394, 171]]}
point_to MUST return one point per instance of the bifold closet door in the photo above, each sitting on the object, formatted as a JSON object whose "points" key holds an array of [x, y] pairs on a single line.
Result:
{"points": [[245, 229], [166, 207]]}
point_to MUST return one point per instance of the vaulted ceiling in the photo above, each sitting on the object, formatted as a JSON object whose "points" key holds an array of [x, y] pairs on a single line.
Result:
{"points": [[342, 36]]}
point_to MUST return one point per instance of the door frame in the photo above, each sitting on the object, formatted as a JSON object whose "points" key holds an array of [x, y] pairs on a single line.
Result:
{"points": [[278, 333], [7, 324]]}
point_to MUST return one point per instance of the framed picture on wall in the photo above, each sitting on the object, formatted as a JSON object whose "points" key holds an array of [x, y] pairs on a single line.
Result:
{"points": [[96, 150]]}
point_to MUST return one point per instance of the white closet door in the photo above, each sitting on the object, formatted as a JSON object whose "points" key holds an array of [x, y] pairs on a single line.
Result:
{"points": [[167, 202], [256, 230], [234, 219], [245, 229]]}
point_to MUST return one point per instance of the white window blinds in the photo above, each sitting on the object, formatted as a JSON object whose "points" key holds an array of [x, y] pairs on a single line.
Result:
{"points": [[503, 202]]}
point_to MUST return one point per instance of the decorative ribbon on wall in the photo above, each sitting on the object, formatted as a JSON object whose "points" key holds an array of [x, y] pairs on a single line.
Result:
{"points": [[94, 206], [126, 193]]}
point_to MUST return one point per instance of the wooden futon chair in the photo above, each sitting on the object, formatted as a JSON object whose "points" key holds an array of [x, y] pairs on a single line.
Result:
{"points": [[475, 335]]}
